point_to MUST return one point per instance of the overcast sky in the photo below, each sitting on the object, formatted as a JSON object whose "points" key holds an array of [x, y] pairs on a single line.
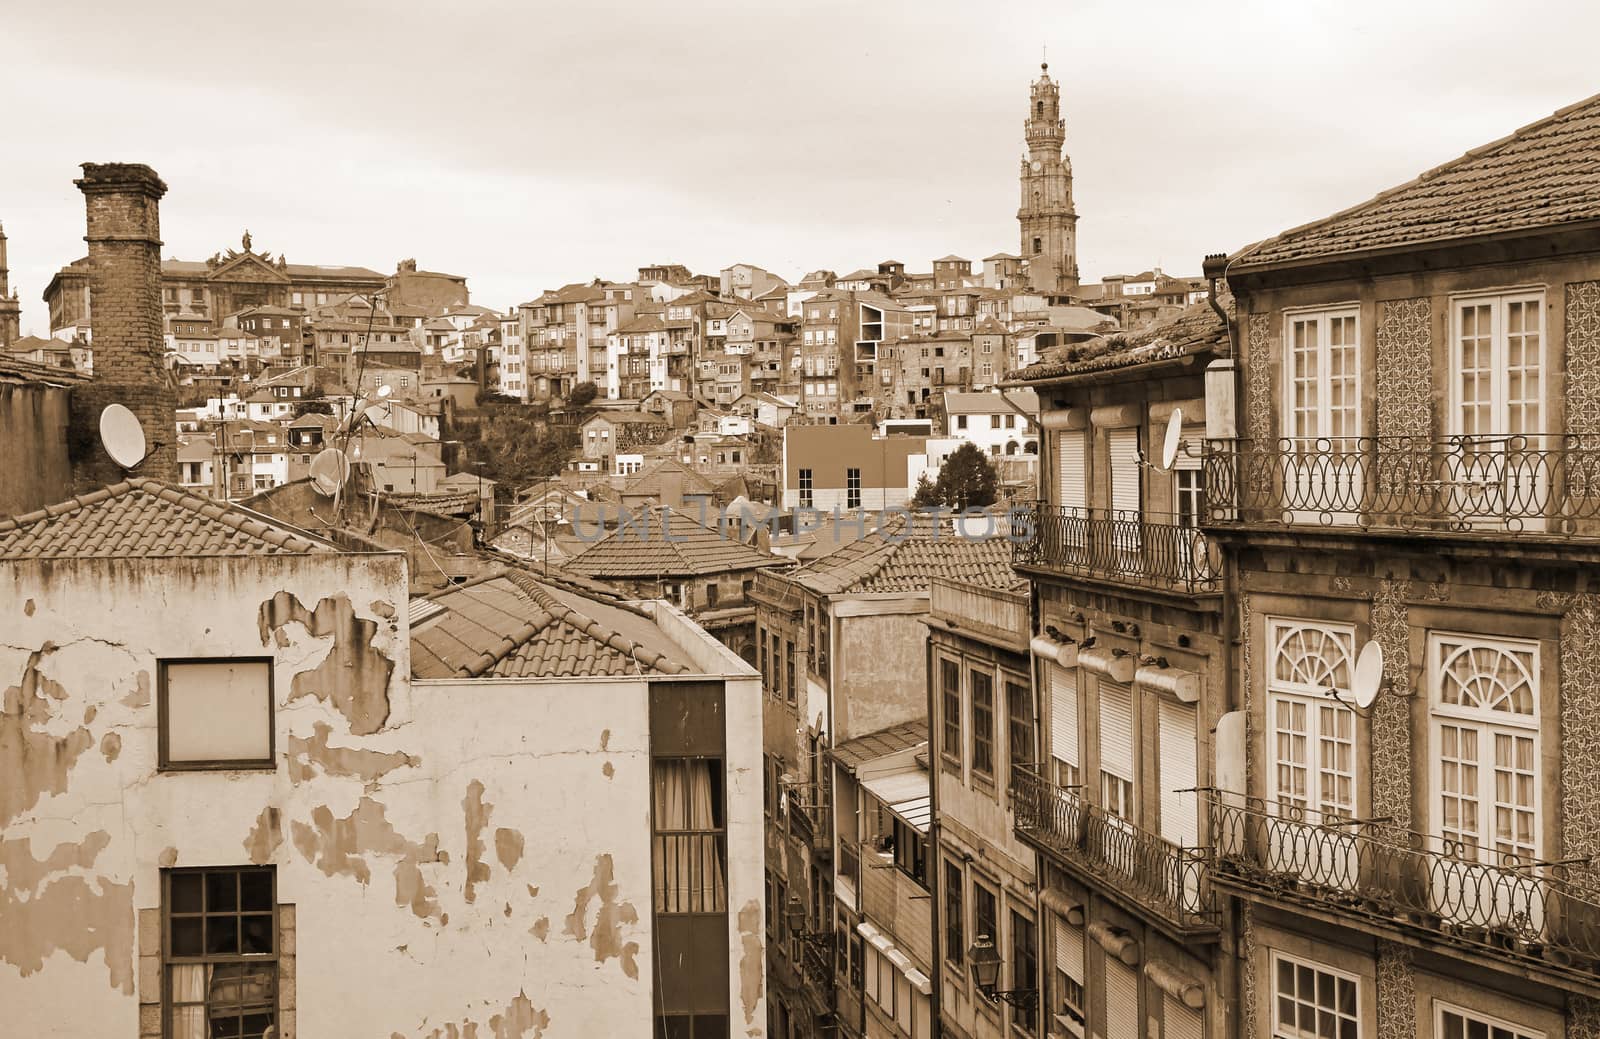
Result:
{"points": [[526, 144]]}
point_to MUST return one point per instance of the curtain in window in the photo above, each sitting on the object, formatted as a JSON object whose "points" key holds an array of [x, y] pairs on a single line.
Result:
{"points": [[690, 874], [189, 1002]]}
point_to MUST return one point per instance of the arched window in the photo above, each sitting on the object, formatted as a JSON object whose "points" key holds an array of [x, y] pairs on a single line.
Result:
{"points": [[1311, 733], [1038, 109]]}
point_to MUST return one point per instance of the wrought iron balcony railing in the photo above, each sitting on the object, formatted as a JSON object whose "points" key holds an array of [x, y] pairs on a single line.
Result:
{"points": [[1455, 892], [1145, 548], [1533, 483], [816, 964], [1160, 876]]}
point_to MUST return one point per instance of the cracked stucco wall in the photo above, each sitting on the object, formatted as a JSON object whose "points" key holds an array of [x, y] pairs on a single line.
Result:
{"points": [[441, 836]]}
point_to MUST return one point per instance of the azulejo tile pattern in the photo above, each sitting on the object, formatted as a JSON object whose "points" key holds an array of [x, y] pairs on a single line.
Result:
{"points": [[1258, 395], [1397, 993], [1580, 737], [1405, 368], [1583, 357], [1247, 969], [1391, 715]]}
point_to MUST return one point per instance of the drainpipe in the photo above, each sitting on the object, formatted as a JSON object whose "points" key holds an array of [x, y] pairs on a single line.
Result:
{"points": [[1215, 269]]}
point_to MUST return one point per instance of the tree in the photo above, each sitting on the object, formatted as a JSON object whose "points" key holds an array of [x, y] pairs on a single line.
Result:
{"points": [[313, 407], [966, 479], [925, 496], [582, 394]]}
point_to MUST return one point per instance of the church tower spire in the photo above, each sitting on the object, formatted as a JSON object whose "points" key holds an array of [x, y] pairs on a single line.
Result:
{"points": [[1048, 221], [10, 307]]}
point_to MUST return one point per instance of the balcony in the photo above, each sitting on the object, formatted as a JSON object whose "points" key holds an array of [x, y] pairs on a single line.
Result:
{"points": [[1157, 877], [1546, 484], [1144, 548], [1411, 883]]}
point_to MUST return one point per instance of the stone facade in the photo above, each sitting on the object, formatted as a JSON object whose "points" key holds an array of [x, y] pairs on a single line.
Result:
{"points": [[124, 235]]}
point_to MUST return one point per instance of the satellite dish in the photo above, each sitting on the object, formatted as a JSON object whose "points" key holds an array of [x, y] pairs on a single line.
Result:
{"points": [[329, 470], [122, 436], [1369, 675], [385, 390], [1169, 448]]}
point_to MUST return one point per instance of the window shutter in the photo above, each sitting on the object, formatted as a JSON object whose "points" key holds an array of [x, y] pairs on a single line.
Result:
{"points": [[1182, 1021], [1124, 453], [1180, 822], [1122, 1000], [1063, 714], [1116, 729], [1072, 489], [1069, 950]]}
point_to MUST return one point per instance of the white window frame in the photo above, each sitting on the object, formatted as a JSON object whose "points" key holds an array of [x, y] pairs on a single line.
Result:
{"points": [[1321, 316], [1513, 1031], [1279, 1031], [1489, 724], [1308, 695], [1499, 302]]}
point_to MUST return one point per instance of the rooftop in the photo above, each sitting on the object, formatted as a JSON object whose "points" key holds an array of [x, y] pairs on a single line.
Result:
{"points": [[852, 754], [514, 626], [684, 547], [143, 518], [1543, 175], [893, 560], [1196, 330], [957, 402]]}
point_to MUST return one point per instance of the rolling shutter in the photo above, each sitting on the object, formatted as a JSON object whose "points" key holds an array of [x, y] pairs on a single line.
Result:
{"points": [[1124, 452], [1069, 950], [1182, 1021], [1072, 486], [1122, 1000], [1180, 819], [1116, 729], [1063, 714]]}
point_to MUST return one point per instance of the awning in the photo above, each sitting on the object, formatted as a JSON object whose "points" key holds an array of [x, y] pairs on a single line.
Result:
{"points": [[1114, 664], [905, 792]]}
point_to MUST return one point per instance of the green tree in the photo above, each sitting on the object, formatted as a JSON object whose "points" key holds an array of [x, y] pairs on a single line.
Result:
{"points": [[966, 479]]}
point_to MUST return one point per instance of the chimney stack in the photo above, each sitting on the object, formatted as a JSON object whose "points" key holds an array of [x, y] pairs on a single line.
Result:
{"points": [[122, 201]]}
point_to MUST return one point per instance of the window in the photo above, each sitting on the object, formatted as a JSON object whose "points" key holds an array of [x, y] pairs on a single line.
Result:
{"points": [[1116, 750], [216, 713], [1019, 723], [985, 913], [1486, 745], [691, 871], [1496, 358], [852, 488], [961, 422], [1024, 969], [1069, 969], [1311, 1001], [911, 851], [805, 489], [1312, 733], [1458, 1023], [1038, 246], [788, 671], [1322, 360], [955, 948], [221, 952], [982, 723], [950, 693]]}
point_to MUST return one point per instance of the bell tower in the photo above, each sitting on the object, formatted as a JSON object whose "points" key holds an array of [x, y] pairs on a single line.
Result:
{"points": [[1048, 221], [10, 307]]}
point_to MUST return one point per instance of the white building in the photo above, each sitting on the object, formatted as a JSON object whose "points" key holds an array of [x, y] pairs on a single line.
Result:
{"points": [[986, 421]]}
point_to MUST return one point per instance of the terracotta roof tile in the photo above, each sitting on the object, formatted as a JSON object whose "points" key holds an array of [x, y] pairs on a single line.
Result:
{"points": [[893, 560], [1543, 175], [514, 626], [1196, 330], [641, 549], [145, 518]]}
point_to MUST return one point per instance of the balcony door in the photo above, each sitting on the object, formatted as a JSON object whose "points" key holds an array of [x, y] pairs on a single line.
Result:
{"points": [[1311, 775], [1122, 447], [1118, 789], [1177, 764], [1495, 470], [1067, 531], [1485, 833], [1322, 464]]}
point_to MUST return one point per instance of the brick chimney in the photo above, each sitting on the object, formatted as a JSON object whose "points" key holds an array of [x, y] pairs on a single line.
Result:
{"points": [[124, 235]]}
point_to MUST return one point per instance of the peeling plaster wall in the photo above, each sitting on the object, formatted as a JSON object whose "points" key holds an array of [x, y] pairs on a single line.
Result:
{"points": [[447, 839]]}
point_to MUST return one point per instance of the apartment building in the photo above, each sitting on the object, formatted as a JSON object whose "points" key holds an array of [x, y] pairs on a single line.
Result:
{"points": [[1130, 664], [848, 467], [1412, 469]]}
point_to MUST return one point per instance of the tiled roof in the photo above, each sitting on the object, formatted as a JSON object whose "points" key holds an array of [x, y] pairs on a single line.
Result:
{"points": [[852, 754], [513, 626], [16, 369], [643, 549], [1196, 330], [957, 402], [1543, 175], [894, 561], [148, 519]]}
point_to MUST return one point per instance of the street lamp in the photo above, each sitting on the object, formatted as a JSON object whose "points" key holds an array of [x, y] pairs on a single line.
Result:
{"points": [[986, 962]]}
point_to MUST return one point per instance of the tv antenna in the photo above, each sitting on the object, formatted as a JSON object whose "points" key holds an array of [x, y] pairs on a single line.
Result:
{"points": [[123, 437], [1171, 444]]}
